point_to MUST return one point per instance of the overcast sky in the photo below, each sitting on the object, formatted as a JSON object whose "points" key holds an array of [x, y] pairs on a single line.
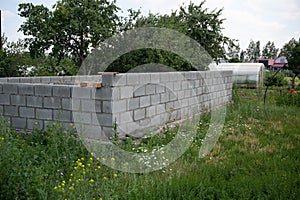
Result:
{"points": [[264, 20]]}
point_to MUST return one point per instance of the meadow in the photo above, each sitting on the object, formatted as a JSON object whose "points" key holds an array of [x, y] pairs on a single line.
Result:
{"points": [[256, 157]]}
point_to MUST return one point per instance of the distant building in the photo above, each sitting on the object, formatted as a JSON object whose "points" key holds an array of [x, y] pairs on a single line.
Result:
{"points": [[274, 64]]}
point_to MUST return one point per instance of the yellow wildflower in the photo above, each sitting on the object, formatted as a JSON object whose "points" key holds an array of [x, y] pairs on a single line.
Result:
{"points": [[71, 188], [105, 178], [91, 181], [112, 159], [115, 175]]}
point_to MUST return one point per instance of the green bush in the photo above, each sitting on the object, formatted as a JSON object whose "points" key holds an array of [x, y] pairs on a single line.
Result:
{"points": [[271, 80]]}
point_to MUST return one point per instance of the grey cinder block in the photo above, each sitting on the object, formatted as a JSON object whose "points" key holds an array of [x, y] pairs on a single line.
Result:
{"points": [[164, 97], [19, 122], [11, 111], [102, 119], [140, 91], [155, 78], [62, 115], [160, 88], [144, 78], [145, 123], [26, 89], [107, 107], [35, 124], [144, 101], [160, 109], [34, 101], [133, 103], [109, 79], [66, 103], [125, 117], [126, 92], [17, 100], [105, 93], [43, 90], [82, 92], [4, 99], [44, 114], [91, 105], [27, 112], [119, 106], [62, 91], [13, 80], [45, 79], [52, 102], [35, 79], [25, 80], [139, 114], [150, 89], [10, 88], [82, 117], [150, 111], [133, 79], [155, 99]]}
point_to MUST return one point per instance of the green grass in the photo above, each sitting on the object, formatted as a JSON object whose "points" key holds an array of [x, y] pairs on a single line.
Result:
{"points": [[256, 157]]}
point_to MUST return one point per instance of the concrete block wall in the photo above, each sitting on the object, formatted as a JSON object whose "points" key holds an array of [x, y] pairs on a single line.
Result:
{"points": [[135, 101], [149, 100]]}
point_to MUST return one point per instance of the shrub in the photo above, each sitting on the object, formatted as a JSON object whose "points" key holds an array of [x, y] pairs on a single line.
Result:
{"points": [[271, 80]]}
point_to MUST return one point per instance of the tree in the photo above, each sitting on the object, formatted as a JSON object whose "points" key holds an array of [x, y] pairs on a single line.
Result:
{"points": [[232, 53], [14, 58], [242, 56], [269, 50], [253, 51], [72, 29], [292, 51], [193, 20], [19, 56]]}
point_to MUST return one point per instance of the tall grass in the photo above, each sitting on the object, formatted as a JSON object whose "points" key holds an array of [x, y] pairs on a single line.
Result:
{"points": [[256, 157]]}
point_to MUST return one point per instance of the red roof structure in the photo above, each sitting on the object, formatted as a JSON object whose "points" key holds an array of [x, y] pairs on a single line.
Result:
{"points": [[276, 63]]}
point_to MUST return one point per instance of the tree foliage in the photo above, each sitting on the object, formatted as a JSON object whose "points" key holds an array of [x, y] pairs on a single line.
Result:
{"points": [[269, 50], [72, 29], [292, 52], [193, 20], [252, 53], [14, 58], [233, 53]]}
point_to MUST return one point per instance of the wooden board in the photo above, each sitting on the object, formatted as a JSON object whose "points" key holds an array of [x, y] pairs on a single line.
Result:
{"points": [[91, 84]]}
